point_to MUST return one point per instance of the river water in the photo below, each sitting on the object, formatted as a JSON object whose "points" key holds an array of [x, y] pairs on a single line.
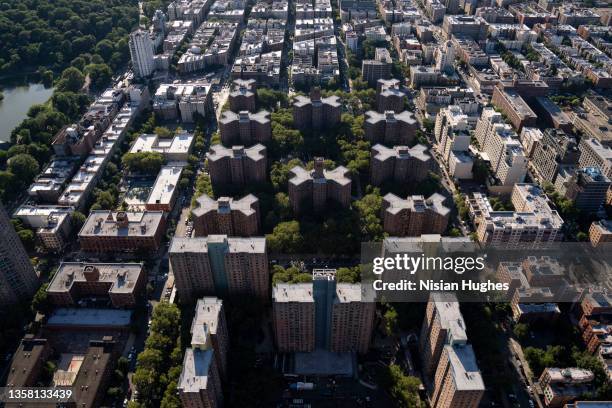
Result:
{"points": [[17, 100]]}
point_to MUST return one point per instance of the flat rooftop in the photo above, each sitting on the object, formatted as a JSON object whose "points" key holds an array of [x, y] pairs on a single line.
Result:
{"points": [[90, 317], [120, 277], [165, 185], [122, 223], [466, 374], [233, 244]]}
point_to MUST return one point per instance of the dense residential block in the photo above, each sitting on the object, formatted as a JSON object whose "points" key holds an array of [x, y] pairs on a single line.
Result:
{"points": [[532, 224], [220, 265], [313, 188], [399, 164], [226, 216], [236, 165]]}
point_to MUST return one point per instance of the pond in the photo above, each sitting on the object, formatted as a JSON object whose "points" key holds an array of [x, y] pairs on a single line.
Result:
{"points": [[18, 98]]}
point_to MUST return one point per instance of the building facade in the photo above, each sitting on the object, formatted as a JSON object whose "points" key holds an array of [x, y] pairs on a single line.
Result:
{"points": [[316, 113], [245, 128], [122, 231], [415, 215], [236, 165], [315, 187], [226, 216], [399, 164], [220, 265], [18, 280], [390, 128]]}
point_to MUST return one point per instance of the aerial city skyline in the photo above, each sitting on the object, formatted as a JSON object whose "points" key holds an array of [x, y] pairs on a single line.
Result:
{"points": [[185, 217]]}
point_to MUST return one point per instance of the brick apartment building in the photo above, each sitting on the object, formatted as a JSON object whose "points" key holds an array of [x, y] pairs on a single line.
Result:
{"points": [[390, 128], [236, 165], [122, 283], [399, 164], [122, 231], [317, 186], [226, 216], [245, 128], [242, 96], [315, 112], [415, 215], [220, 265]]}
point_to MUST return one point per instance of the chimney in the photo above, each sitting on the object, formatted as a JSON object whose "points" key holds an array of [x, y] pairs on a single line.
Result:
{"points": [[315, 94], [237, 151], [318, 167]]}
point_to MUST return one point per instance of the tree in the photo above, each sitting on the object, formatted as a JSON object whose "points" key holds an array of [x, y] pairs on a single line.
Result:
{"points": [[71, 80], [369, 209], [391, 321], [454, 232], [40, 301], [27, 238], [24, 166], [521, 331], [78, 219], [150, 359], [404, 389], [171, 399], [143, 162], [348, 275], [163, 132], [99, 74], [286, 238], [269, 99]]}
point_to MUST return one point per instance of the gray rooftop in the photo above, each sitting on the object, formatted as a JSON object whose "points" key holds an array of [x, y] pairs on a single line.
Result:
{"points": [[205, 204], [122, 223], [254, 245], [416, 203]]}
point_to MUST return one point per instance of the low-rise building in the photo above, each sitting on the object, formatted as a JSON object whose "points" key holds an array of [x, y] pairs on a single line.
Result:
{"points": [[563, 385], [226, 216], [108, 231], [176, 148], [165, 189], [122, 283], [53, 224]]}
